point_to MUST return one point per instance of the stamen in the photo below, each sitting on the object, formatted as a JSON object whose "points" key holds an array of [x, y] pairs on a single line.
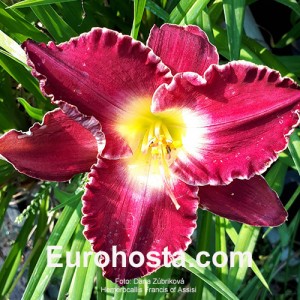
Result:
{"points": [[148, 139], [159, 141], [145, 144], [165, 173], [156, 136], [166, 133], [172, 196], [157, 129]]}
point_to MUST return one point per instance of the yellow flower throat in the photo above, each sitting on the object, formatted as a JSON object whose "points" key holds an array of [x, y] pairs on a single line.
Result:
{"points": [[154, 140], [162, 148], [159, 141]]}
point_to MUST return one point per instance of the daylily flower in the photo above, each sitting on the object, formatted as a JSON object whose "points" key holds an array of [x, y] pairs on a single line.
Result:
{"points": [[162, 129]]}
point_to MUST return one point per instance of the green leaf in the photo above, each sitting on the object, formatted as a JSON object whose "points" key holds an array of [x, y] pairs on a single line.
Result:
{"points": [[10, 114], [157, 10], [186, 12], [119, 295], [60, 236], [18, 27], [298, 285], [89, 279], [111, 286], [207, 276], [77, 245], [139, 6], [35, 113], [20, 74], [293, 198], [289, 37], [266, 57], [74, 14], [133, 293], [270, 266], [215, 10], [205, 24], [291, 62], [286, 158], [12, 47], [284, 235], [234, 11], [222, 45], [30, 3], [204, 225], [79, 288], [276, 176], [287, 207], [245, 243], [292, 4], [100, 285], [294, 147], [66, 198], [57, 27], [6, 171], [162, 273], [13, 259], [234, 238], [276, 260], [42, 223], [5, 195], [221, 246], [38, 244]]}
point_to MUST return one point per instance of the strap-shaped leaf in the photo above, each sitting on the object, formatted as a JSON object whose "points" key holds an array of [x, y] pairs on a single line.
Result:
{"points": [[139, 6], [57, 27], [206, 275], [12, 47], [60, 236], [30, 3], [294, 147], [234, 11], [186, 12]]}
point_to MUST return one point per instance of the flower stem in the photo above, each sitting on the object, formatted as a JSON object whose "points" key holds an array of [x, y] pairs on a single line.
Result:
{"points": [[202, 244], [222, 273]]}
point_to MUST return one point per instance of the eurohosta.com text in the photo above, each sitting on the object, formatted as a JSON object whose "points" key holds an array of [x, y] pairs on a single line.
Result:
{"points": [[153, 259]]}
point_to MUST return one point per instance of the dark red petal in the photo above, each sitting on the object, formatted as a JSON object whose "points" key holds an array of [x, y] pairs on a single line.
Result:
{"points": [[183, 48], [55, 150], [101, 72], [135, 213], [238, 119], [246, 201]]}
